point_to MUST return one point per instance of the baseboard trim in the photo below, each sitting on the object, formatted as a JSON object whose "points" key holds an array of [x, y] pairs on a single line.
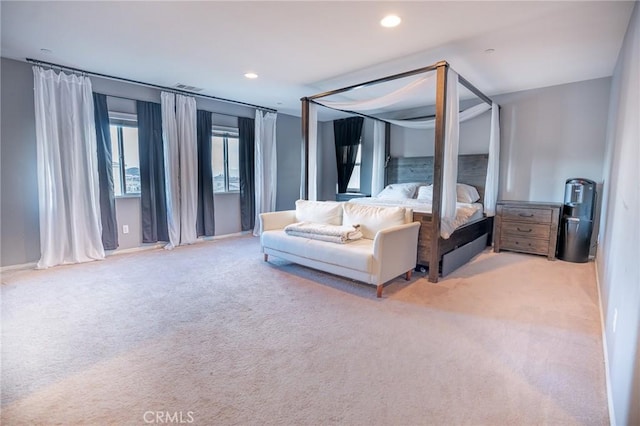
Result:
{"points": [[612, 414], [30, 265], [108, 253]]}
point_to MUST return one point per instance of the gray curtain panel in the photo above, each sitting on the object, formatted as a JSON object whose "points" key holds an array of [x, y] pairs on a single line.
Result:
{"points": [[348, 132], [152, 186], [105, 173], [205, 223], [246, 133]]}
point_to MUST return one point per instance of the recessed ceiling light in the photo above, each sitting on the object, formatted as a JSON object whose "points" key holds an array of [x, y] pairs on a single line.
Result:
{"points": [[390, 21], [251, 75]]}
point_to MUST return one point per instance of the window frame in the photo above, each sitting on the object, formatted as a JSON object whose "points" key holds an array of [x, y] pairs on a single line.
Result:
{"points": [[225, 132], [358, 164], [120, 120]]}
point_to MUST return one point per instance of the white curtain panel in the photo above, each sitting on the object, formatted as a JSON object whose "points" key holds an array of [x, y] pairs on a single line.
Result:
{"points": [[312, 184], [266, 165], [188, 150], [68, 192], [421, 85], [171, 166], [493, 166], [450, 164], [377, 167]]}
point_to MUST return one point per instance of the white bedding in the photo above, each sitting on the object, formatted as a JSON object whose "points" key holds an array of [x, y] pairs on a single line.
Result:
{"points": [[465, 212], [325, 232]]}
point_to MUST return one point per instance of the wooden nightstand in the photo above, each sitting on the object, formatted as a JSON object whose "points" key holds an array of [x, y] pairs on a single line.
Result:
{"points": [[527, 227]]}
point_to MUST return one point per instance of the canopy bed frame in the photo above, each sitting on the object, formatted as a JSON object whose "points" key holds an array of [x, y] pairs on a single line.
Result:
{"points": [[441, 255]]}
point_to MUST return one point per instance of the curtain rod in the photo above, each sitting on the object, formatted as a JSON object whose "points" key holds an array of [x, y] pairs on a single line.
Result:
{"points": [[142, 83], [212, 112]]}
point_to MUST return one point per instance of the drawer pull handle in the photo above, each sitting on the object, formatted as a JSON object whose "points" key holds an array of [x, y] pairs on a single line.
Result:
{"points": [[525, 230], [525, 214]]}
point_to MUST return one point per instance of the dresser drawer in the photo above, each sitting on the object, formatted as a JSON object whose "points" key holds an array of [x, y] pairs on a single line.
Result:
{"points": [[529, 215], [524, 229], [527, 245]]}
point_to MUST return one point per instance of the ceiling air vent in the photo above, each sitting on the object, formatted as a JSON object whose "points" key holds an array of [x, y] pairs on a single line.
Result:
{"points": [[188, 88]]}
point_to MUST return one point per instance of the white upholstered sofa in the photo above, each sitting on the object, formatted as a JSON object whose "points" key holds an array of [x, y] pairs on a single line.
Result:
{"points": [[387, 249]]}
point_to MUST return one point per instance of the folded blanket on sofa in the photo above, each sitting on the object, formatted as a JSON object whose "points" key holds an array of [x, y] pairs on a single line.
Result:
{"points": [[322, 231]]}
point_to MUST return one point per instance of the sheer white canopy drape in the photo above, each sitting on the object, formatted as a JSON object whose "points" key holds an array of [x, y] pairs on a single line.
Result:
{"points": [[266, 165], [450, 163], [180, 167], [377, 166], [312, 184], [421, 84], [453, 119], [68, 192], [493, 167]]}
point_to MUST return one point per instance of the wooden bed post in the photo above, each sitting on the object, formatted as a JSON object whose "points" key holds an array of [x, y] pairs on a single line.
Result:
{"points": [[387, 152], [438, 160], [304, 175]]}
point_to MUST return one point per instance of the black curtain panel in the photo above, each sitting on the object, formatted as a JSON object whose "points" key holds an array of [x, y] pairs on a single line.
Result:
{"points": [[152, 181], [205, 223], [105, 173], [347, 133], [246, 133]]}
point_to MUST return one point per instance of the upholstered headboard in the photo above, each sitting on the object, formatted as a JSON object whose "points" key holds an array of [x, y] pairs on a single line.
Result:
{"points": [[472, 170]]}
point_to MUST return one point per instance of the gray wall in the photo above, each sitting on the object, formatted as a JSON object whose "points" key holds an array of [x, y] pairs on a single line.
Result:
{"points": [[474, 138], [19, 222], [549, 135], [619, 251], [289, 146]]}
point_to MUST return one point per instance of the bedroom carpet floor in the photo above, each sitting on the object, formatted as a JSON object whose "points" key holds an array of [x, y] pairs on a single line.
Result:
{"points": [[211, 335]]}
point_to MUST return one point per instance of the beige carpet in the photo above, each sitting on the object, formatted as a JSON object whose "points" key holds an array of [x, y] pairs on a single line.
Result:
{"points": [[213, 334]]}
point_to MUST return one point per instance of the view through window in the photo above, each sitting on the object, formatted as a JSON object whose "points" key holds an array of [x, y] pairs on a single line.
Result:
{"points": [[124, 159], [225, 159], [354, 181]]}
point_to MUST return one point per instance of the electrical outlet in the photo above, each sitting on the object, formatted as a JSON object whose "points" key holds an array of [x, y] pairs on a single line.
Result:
{"points": [[615, 319], [125, 229]]}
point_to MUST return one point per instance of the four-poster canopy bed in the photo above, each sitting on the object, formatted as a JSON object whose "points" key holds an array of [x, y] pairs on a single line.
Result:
{"points": [[441, 246]]}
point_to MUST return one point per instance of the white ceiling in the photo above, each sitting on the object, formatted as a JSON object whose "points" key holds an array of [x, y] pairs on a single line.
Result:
{"points": [[305, 47]]}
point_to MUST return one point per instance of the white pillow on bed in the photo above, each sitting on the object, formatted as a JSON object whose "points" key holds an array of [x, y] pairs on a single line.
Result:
{"points": [[328, 212], [399, 191], [425, 193], [372, 218], [465, 193]]}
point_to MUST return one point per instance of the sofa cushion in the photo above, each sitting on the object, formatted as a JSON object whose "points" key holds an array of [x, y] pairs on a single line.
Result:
{"points": [[329, 212], [372, 218], [357, 255]]}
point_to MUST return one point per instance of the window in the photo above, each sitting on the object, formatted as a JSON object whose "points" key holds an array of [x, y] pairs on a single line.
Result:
{"points": [[225, 159], [124, 154], [354, 181]]}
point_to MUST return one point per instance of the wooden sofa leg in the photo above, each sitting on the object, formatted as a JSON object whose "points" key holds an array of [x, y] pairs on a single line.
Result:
{"points": [[379, 290], [407, 276], [266, 257]]}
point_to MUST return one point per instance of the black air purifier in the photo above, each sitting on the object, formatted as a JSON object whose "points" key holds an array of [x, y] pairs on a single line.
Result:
{"points": [[576, 225]]}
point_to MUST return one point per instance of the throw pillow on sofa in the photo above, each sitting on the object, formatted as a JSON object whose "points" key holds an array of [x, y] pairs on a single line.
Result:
{"points": [[372, 218], [329, 212]]}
